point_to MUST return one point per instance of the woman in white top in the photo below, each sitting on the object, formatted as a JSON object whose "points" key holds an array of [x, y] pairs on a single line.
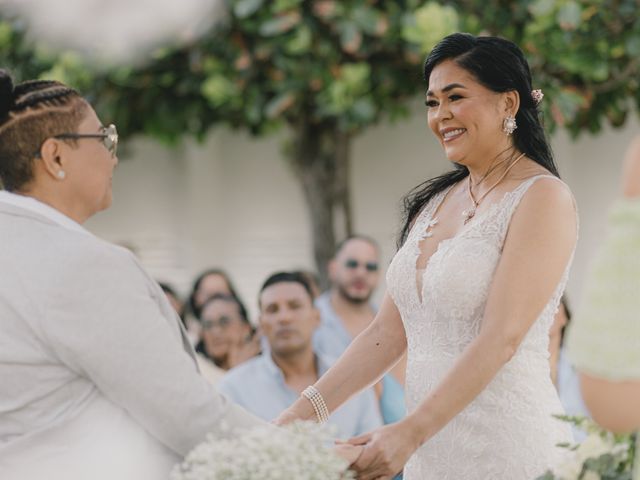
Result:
{"points": [[98, 377]]}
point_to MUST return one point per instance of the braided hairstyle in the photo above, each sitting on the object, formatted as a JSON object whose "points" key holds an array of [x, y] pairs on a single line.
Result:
{"points": [[500, 66], [31, 112]]}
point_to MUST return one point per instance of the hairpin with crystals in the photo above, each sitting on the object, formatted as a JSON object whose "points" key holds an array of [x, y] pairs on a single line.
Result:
{"points": [[537, 95]]}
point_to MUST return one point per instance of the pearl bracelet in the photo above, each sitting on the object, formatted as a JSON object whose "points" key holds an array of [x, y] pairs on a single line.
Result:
{"points": [[312, 394]]}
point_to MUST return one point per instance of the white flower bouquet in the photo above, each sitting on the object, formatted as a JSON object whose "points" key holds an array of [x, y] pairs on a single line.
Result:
{"points": [[300, 451], [601, 456]]}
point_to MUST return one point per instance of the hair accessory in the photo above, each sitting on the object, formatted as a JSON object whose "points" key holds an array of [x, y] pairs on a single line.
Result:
{"points": [[312, 394], [61, 175], [509, 124], [537, 95]]}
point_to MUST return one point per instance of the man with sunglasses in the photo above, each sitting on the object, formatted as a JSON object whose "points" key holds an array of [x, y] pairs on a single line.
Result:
{"points": [[346, 310]]}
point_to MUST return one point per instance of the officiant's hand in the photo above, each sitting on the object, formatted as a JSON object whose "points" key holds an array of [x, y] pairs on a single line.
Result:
{"points": [[350, 453], [386, 450]]}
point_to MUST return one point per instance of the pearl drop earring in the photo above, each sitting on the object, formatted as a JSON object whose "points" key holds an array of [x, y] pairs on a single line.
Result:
{"points": [[61, 174], [509, 124]]}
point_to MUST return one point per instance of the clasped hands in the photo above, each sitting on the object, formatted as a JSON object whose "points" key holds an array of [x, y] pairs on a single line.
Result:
{"points": [[377, 455], [381, 454]]}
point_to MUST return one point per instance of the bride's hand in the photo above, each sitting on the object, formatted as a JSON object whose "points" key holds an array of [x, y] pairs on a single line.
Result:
{"points": [[386, 450], [300, 410]]}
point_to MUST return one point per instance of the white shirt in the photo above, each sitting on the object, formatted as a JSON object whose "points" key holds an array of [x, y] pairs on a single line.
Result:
{"points": [[97, 377]]}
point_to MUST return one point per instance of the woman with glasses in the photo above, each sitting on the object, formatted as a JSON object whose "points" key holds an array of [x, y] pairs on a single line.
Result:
{"points": [[98, 377], [227, 336]]}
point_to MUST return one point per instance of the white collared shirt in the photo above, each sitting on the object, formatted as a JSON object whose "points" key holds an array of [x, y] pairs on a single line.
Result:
{"points": [[41, 208]]}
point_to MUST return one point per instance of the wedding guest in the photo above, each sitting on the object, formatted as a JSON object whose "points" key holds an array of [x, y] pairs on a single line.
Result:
{"points": [[207, 284], [313, 280], [346, 310], [604, 338], [268, 384], [98, 378], [227, 336]]}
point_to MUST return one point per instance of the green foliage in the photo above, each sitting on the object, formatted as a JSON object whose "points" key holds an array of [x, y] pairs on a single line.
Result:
{"points": [[349, 64], [28, 60]]}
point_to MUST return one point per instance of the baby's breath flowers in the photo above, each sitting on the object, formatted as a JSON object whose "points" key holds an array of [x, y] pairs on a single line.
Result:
{"points": [[300, 451]]}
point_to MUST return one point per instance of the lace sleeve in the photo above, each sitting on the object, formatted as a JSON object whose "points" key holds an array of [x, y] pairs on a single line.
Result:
{"points": [[604, 339]]}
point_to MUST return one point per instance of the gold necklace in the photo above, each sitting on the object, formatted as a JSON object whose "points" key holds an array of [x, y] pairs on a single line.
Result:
{"points": [[491, 168], [468, 214]]}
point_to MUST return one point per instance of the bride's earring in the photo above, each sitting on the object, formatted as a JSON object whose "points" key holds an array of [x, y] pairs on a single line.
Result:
{"points": [[61, 174], [509, 124]]}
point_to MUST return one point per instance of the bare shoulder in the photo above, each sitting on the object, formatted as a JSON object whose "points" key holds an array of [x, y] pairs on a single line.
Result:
{"points": [[547, 206], [549, 194]]}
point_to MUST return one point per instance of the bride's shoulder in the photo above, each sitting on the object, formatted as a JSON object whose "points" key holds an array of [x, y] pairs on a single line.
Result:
{"points": [[547, 202]]}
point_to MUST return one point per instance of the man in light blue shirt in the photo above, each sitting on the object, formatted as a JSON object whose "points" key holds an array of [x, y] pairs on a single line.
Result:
{"points": [[268, 384]]}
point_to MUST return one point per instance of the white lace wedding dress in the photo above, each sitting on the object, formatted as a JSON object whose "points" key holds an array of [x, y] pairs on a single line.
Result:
{"points": [[507, 432]]}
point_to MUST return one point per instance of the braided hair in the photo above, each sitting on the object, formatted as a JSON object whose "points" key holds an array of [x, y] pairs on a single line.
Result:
{"points": [[500, 66], [31, 112]]}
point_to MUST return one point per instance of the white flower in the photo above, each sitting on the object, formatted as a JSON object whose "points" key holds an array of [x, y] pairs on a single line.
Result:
{"points": [[593, 447], [301, 451], [569, 469]]}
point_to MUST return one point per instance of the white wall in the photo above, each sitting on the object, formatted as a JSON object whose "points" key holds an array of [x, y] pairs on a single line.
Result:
{"points": [[232, 202]]}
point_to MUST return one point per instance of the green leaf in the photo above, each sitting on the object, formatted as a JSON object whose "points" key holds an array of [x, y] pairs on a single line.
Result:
{"points": [[429, 24], [218, 90], [366, 18], [301, 41], [633, 45], [542, 7], [6, 33], [283, 5], [246, 8]]}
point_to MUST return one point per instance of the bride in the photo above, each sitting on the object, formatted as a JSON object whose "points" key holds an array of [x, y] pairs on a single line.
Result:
{"points": [[472, 291]]}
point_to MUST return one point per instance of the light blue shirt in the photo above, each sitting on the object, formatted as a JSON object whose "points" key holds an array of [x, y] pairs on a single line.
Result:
{"points": [[331, 338], [258, 385], [569, 392]]}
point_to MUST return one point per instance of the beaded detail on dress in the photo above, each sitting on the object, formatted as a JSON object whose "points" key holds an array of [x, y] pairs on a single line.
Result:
{"points": [[508, 431]]}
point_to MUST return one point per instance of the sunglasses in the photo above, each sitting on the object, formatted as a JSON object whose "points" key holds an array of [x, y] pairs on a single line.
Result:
{"points": [[369, 266], [109, 137]]}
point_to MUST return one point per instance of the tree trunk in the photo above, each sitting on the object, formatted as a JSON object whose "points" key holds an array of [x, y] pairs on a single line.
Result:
{"points": [[320, 157]]}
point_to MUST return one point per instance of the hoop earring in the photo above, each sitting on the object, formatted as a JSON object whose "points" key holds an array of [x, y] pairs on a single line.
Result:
{"points": [[509, 124]]}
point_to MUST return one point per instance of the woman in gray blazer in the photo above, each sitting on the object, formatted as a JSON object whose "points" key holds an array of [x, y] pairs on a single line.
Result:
{"points": [[98, 379]]}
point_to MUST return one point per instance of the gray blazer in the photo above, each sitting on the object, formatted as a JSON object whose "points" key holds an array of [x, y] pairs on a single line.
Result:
{"points": [[80, 318]]}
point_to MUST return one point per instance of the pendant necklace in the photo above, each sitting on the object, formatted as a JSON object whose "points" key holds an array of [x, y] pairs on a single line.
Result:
{"points": [[469, 213]]}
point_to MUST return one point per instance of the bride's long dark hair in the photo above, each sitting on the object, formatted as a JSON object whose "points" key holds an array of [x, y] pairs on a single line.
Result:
{"points": [[499, 65]]}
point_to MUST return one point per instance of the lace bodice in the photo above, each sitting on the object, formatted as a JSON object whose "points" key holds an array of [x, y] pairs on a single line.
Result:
{"points": [[507, 432]]}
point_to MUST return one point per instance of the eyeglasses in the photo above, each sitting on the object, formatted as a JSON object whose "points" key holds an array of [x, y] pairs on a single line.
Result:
{"points": [[352, 264], [109, 138], [223, 323]]}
